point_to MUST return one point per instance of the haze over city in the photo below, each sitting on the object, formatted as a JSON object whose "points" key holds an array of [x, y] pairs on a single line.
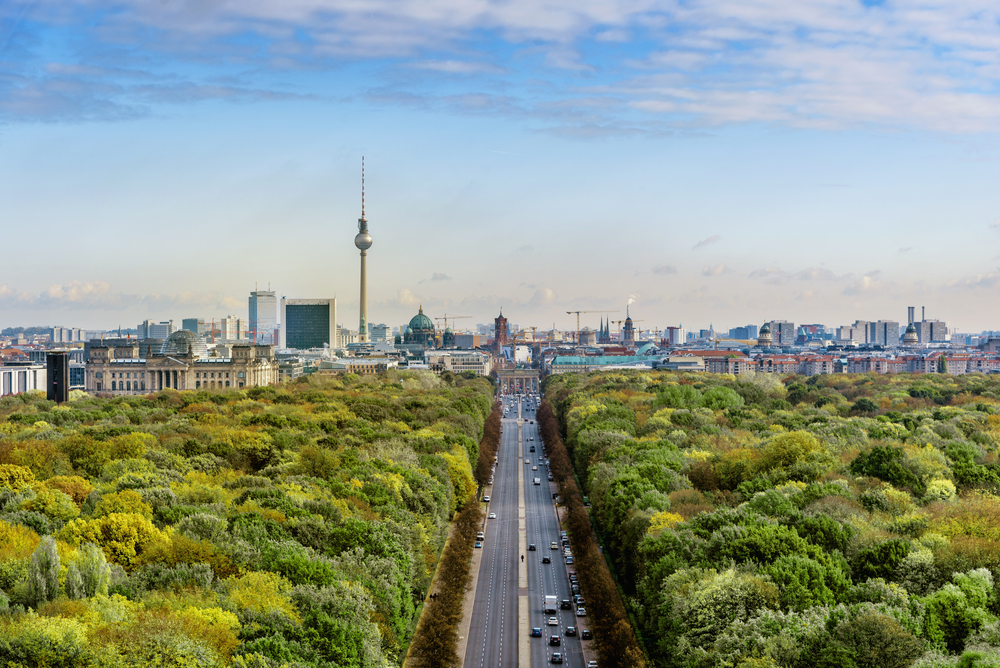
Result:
{"points": [[714, 162]]}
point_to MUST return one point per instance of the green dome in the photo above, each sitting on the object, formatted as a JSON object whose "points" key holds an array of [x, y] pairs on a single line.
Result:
{"points": [[421, 322]]}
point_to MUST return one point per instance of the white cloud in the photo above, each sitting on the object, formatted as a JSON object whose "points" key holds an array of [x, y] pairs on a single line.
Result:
{"points": [[717, 270], [99, 295], [543, 296], [715, 238], [864, 285], [664, 269]]}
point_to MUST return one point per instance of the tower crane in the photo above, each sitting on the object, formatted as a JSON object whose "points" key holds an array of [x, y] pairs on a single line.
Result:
{"points": [[578, 319], [447, 317]]}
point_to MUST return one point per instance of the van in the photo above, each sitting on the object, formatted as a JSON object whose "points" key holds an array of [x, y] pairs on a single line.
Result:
{"points": [[538, 481]]}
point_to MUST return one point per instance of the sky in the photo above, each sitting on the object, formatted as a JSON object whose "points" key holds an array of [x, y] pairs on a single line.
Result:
{"points": [[717, 162]]}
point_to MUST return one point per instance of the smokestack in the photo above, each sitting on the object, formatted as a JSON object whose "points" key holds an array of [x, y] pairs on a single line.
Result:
{"points": [[910, 313], [923, 313]]}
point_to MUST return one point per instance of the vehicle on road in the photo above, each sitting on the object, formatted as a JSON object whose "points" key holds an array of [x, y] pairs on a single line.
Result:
{"points": [[569, 560], [554, 546], [581, 612], [534, 468], [531, 547], [550, 604], [565, 605], [585, 634], [493, 516], [556, 657], [571, 630], [553, 621], [538, 481], [480, 536], [536, 632], [591, 664], [479, 543], [555, 640], [546, 560], [531, 449], [486, 498]]}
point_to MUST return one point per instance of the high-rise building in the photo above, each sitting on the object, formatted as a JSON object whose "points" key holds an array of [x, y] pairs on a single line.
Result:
{"points": [[782, 332], [232, 328], [263, 317], [675, 336], [884, 333], [149, 329], [196, 325], [308, 323]]}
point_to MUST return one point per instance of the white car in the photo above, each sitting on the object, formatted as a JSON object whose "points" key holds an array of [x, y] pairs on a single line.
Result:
{"points": [[493, 516], [553, 621], [486, 498], [581, 612], [591, 664]]}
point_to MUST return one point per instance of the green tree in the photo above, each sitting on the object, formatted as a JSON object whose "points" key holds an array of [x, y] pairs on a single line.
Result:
{"points": [[43, 578]]}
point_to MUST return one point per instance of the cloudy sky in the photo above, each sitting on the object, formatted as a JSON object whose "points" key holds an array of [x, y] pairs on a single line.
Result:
{"points": [[715, 161]]}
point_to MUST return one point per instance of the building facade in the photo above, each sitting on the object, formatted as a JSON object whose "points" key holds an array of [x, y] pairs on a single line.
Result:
{"points": [[18, 377], [181, 365], [308, 323], [263, 318]]}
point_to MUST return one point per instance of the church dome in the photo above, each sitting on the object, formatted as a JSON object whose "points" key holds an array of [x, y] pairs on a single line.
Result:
{"points": [[183, 340], [765, 329], [421, 322], [447, 330]]}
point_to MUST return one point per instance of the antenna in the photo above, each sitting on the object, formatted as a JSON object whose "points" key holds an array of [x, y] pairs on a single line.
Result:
{"points": [[362, 187]]}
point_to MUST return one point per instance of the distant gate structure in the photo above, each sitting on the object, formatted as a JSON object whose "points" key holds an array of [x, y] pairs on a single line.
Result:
{"points": [[514, 381]]}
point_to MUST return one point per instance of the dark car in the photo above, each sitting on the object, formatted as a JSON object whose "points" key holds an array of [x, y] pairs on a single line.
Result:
{"points": [[532, 449], [532, 548], [555, 640], [546, 560], [585, 634], [537, 632], [571, 630], [556, 657], [565, 605]]}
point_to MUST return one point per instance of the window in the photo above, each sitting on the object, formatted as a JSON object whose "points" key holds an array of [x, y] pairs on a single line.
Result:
{"points": [[241, 374], [227, 382], [98, 386], [128, 385], [197, 384], [143, 385], [99, 374]]}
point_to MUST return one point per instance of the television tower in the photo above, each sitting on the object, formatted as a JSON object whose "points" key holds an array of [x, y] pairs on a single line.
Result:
{"points": [[363, 241]]}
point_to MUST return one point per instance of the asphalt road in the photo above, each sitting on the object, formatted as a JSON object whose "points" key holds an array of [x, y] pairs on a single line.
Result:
{"points": [[493, 635]]}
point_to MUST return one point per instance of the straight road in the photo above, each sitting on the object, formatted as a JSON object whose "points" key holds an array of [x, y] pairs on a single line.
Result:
{"points": [[496, 628]]}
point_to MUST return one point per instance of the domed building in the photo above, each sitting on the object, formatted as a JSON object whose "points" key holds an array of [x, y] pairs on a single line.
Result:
{"points": [[184, 342], [588, 337], [420, 330], [764, 336], [910, 337], [448, 338]]}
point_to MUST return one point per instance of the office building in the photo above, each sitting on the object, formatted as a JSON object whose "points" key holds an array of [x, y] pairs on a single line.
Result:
{"points": [[149, 329], [884, 333], [232, 328], [196, 325], [782, 332], [18, 377], [308, 323], [263, 317]]}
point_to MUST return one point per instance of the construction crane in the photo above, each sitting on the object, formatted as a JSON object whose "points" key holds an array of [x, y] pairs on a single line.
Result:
{"points": [[447, 317], [578, 319]]}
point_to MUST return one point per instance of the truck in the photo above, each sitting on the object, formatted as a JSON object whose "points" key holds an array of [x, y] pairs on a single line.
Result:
{"points": [[551, 604], [538, 481]]}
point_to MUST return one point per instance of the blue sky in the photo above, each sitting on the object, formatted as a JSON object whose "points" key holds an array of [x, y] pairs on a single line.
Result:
{"points": [[723, 161]]}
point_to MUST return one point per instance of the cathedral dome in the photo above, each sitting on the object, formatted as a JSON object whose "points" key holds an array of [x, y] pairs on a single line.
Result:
{"points": [[182, 341], [421, 322]]}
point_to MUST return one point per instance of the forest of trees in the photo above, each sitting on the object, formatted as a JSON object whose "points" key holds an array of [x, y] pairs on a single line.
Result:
{"points": [[844, 520], [286, 526]]}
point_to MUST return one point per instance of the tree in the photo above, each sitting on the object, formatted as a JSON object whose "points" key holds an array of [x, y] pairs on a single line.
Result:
{"points": [[43, 578], [942, 365]]}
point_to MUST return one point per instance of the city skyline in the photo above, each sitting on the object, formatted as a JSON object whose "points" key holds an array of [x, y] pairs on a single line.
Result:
{"points": [[536, 158]]}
